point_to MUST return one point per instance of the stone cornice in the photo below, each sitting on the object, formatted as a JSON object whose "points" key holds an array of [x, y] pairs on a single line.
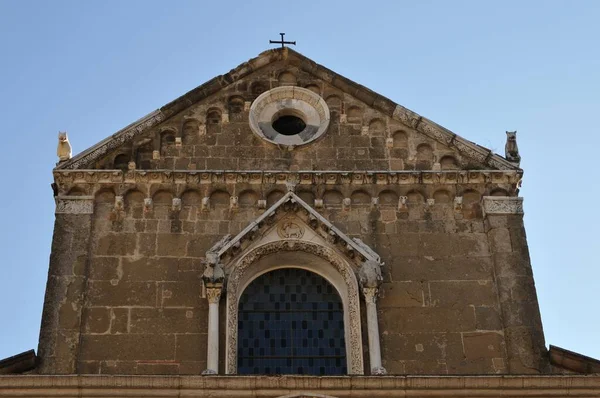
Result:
{"points": [[280, 386], [68, 177], [122, 136]]}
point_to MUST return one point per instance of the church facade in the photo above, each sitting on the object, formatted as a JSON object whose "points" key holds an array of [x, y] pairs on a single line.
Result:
{"points": [[283, 220]]}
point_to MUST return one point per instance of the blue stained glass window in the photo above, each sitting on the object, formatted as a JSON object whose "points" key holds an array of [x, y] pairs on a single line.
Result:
{"points": [[291, 321]]}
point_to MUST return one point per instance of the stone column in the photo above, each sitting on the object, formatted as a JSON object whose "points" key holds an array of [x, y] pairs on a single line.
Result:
{"points": [[63, 303], [370, 294], [213, 293], [524, 337]]}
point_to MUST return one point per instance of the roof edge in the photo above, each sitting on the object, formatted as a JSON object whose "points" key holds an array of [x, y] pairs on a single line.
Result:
{"points": [[573, 361], [369, 97]]}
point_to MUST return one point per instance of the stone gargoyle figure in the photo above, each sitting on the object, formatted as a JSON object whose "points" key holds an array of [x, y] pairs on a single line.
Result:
{"points": [[511, 150], [63, 151]]}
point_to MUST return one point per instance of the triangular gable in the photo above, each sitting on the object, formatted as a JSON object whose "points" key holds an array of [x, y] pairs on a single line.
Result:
{"points": [[389, 108], [352, 247]]}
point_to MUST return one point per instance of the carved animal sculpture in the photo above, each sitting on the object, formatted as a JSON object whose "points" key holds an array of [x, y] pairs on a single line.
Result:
{"points": [[511, 150], [292, 230], [63, 151]]}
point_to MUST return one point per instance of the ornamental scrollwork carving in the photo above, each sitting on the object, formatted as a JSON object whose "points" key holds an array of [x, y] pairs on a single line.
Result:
{"points": [[213, 294], [502, 205], [74, 205]]}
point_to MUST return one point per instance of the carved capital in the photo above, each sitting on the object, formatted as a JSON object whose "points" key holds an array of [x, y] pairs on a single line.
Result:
{"points": [[213, 293], [74, 205], [502, 205], [379, 371], [370, 294]]}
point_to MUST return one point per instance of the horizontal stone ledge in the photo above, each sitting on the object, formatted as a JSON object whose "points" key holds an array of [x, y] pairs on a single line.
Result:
{"points": [[302, 177], [278, 386]]}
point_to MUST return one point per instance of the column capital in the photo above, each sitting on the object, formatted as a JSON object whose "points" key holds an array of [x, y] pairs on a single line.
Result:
{"points": [[213, 293], [370, 294]]}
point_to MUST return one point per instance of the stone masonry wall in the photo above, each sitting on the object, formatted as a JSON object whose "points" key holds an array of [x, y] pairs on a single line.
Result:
{"points": [[124, 293], [215, 135], [449, 303]]}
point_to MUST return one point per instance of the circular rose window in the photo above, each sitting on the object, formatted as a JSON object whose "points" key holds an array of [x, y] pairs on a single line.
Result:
{"points": [[289, 116]]}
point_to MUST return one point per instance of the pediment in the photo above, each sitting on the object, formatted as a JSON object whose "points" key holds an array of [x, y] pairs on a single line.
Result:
{"points": [[209, 129], [293, 220]]}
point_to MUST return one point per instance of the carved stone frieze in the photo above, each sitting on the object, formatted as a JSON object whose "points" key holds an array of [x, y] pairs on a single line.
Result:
{"points": [[502, 205], [74, 205], [289, 179]]}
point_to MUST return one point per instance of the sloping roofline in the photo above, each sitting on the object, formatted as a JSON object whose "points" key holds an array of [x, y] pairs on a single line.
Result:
{"points": [[370, 98]]}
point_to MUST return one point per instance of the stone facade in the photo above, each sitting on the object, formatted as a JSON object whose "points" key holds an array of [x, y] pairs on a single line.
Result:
{"points": [[137, 214]]}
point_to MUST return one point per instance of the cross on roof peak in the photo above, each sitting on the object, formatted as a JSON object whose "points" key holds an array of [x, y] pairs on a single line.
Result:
{"points": [[282, 41]]}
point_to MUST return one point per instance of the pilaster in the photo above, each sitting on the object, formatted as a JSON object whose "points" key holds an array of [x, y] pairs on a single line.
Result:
{"points": [[519, 307], [64, 299]]}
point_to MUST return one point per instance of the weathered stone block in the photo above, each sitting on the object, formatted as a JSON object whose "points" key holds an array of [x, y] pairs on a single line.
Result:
{"points": [[123, 293], [401, 294], [500, 240], [441, 268], [116, 244], [97, 320], [423, 346], [147, 244], [172, 244], [168, 320], [483, 345], [418, 319], [150, 269], [128, 347], [457, 294], [157, 368], [104, 268], [181, 293], [191, 347], [118, 367], [120, 320], [488, 318]]}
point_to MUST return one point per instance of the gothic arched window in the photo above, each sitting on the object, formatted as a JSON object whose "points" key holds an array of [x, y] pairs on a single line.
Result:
{"points": [[291, 321]]}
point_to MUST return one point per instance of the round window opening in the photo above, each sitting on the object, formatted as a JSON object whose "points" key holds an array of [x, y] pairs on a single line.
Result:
{"points": [[289, 115], [289, 125]]}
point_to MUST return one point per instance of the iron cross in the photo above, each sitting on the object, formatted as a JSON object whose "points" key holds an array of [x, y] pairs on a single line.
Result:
{"points": [[282, 42]]}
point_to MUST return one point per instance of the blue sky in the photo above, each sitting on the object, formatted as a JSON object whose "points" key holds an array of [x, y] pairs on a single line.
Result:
{"points": [[477, 68]]}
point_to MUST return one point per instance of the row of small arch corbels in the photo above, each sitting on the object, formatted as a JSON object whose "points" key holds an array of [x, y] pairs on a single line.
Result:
{"points": [[66, 179], [328, 199], [241, 100], [165, 136]]}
